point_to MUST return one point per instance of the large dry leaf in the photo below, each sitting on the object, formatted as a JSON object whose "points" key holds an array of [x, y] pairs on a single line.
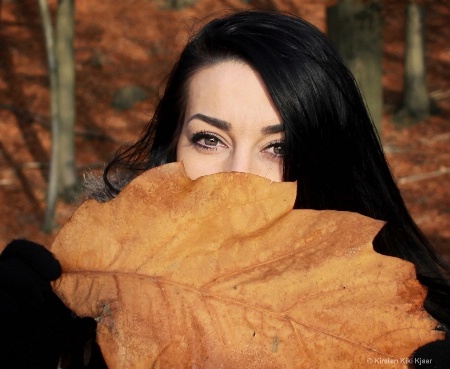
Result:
{"points": [[222, 273]]}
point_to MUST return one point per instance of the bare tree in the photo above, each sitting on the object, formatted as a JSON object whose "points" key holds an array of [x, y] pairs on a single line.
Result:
{"points": [[68, 181], [355, 28], [52, 189], [62, 174], [177, 4], [416, 98]]}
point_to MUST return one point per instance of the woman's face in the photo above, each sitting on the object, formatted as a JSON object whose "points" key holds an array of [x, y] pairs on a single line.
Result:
{"points": [[230, 124]]}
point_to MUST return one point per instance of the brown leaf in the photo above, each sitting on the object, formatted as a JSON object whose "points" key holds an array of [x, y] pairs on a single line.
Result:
{"points": [[220, 272]]}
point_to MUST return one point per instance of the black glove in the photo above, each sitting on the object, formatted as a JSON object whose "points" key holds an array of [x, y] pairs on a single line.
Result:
{"points": [[33, 320], [36, 329]]}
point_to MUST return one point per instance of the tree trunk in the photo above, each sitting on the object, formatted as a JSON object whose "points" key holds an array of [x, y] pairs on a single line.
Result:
{"points": [[355, 28], [52, 189], [60, 58], [68, 181], [177, 4], [416, 99]]}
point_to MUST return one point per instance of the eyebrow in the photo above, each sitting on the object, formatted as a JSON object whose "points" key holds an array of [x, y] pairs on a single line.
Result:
{"points": [[221, 124], [218, 123], [276, 128]]}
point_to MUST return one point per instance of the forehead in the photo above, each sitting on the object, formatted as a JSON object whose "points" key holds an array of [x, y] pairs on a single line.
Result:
{"points": [[233, 91]]}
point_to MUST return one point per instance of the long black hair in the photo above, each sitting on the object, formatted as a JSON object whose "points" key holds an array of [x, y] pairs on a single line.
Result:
{"points": [[331, 146]]}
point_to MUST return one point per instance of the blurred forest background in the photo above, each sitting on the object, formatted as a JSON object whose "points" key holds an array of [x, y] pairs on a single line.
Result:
{"points": [[123, 50]]}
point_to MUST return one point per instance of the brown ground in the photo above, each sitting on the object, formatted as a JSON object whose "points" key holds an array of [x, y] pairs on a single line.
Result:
{"points": [[135, 41]]}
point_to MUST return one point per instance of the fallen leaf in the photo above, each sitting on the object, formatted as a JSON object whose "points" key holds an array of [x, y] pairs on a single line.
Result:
{"points": [[220, 272]]}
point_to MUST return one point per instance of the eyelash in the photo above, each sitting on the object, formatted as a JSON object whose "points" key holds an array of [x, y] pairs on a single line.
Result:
{"points": [[198, 136], [274, 144]]}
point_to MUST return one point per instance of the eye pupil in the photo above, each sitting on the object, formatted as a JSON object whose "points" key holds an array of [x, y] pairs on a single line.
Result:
{"points": [[211, 141], [278, 150]]}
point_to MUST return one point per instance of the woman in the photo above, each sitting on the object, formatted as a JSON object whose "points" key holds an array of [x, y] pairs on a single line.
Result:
{"points": [[266, 93]]}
